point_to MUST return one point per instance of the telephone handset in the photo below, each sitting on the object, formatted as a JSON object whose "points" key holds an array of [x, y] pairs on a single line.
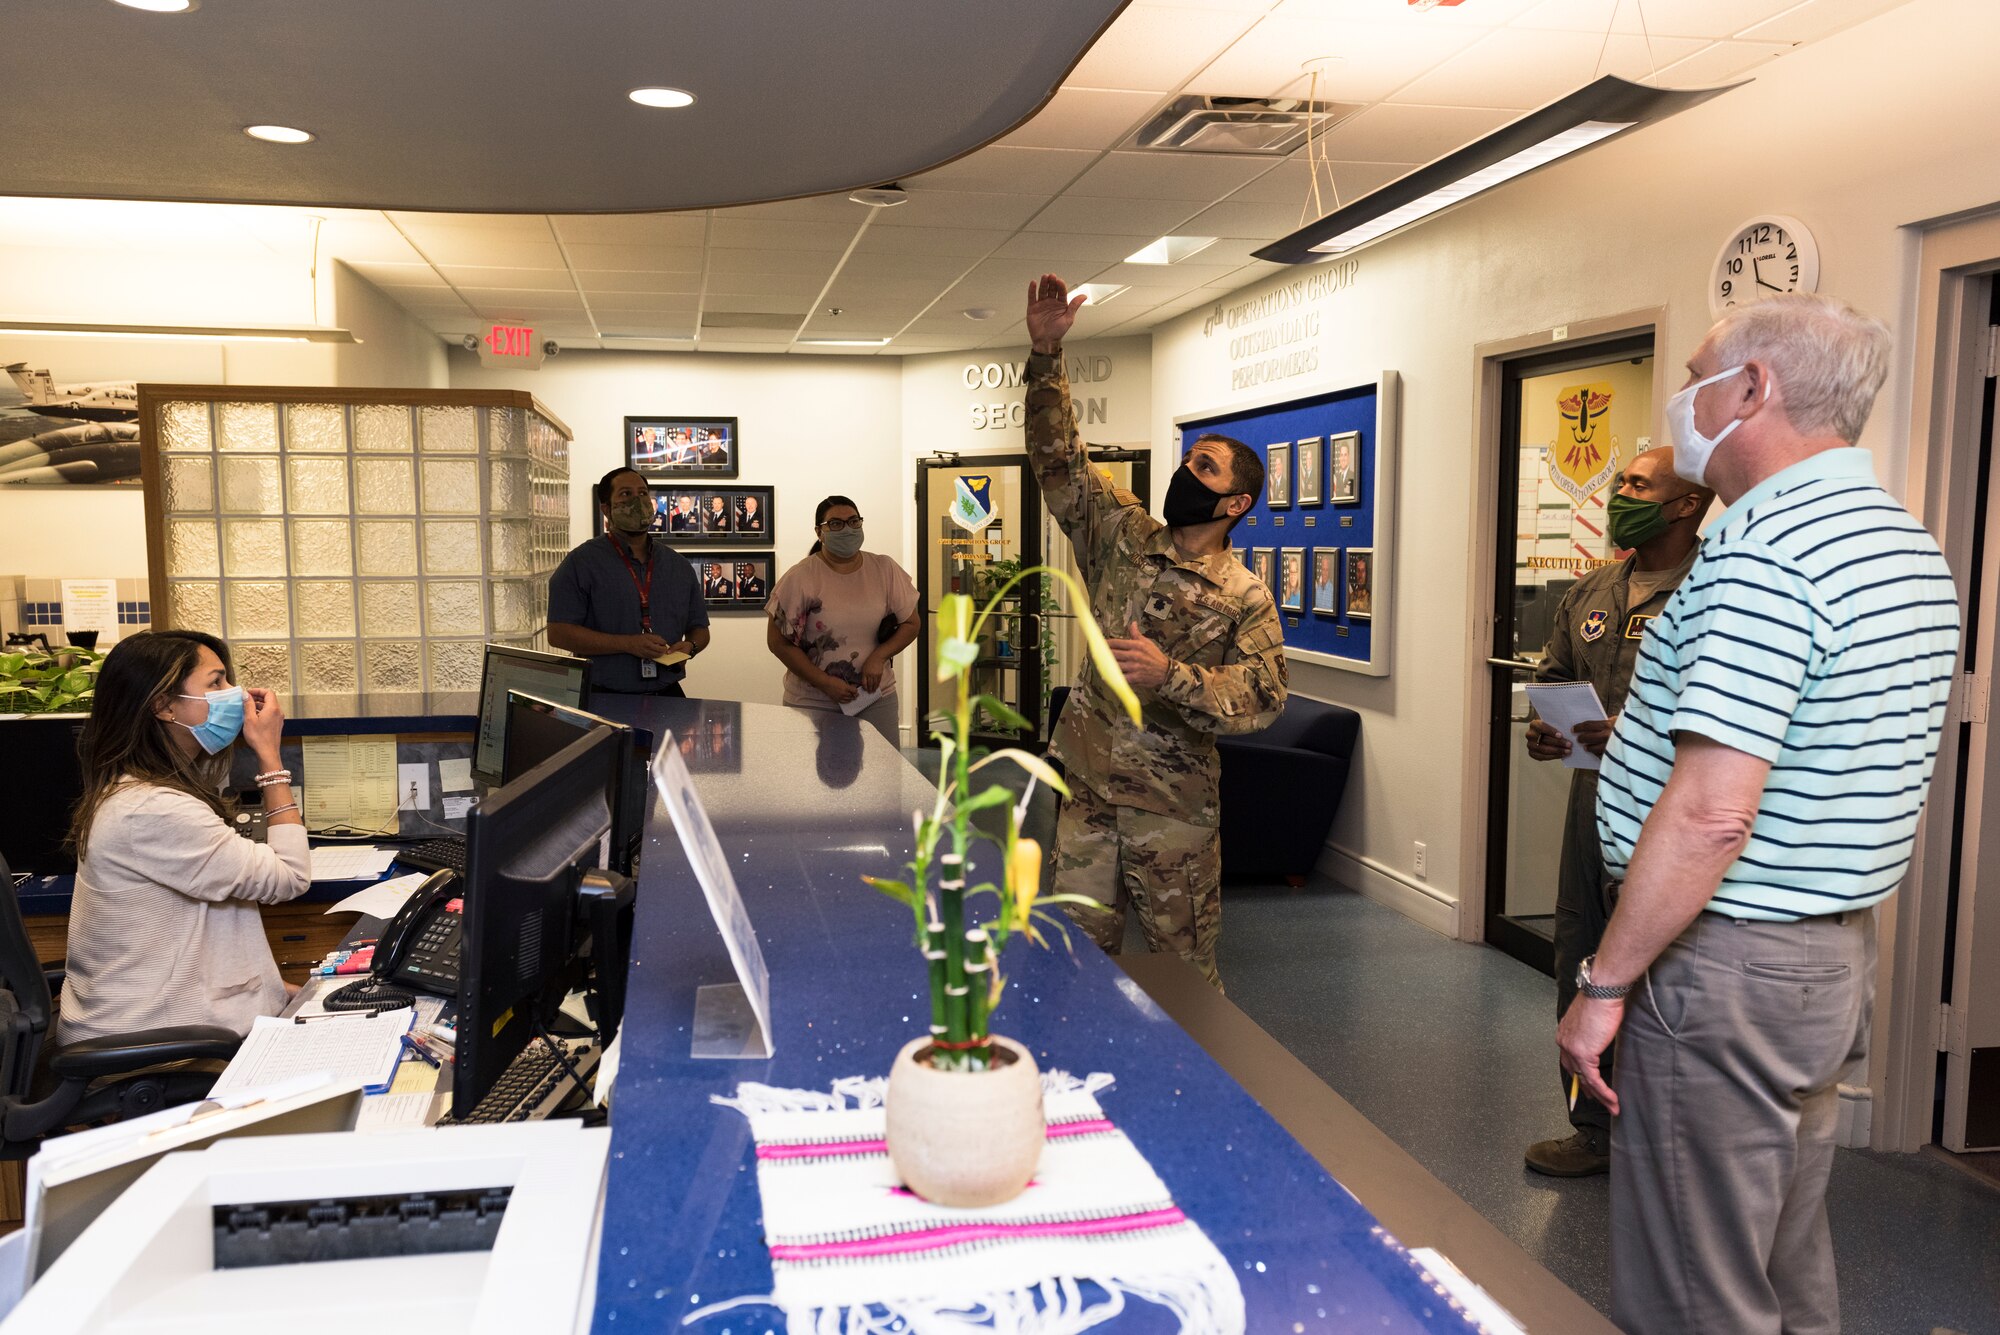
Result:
{"points": [[418, 952]]}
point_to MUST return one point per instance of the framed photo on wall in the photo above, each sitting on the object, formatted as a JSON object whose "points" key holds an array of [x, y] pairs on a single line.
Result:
{"points": [[1345, 474], [734, 581], [699, 515], [1326, 581], [1360, 583], [704, 447], [1292, 579], [1310, 452], [1278, 476], [1263, 564]]}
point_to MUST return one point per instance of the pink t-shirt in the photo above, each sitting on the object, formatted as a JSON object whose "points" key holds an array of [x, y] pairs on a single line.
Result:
{"points": [[834, 618]]}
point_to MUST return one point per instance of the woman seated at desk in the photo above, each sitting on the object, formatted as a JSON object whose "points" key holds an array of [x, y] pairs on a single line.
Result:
{"points": [[164, 928]]}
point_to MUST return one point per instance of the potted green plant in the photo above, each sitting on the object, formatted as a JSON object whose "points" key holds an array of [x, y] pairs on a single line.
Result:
{"points": [[964, 1105], [1004, 572], [42, 681]]}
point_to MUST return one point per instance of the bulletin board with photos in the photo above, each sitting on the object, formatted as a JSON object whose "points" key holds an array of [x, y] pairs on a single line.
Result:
{"points": [[1319, 537], [690, 514], [734, 581]]}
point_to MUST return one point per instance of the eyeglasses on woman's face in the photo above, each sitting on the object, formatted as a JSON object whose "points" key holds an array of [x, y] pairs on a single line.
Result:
{"points": [[840, 525]]}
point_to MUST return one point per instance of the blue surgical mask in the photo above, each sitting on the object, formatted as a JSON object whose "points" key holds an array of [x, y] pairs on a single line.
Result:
{"points": [[224, 722]]}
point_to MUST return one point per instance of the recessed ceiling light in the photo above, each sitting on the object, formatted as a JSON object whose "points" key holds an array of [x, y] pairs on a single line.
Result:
{"points": [[159, 6], [1170, 250], [1099, 293], [277, 134], [979, 312], [881, 196], [661, 97]]}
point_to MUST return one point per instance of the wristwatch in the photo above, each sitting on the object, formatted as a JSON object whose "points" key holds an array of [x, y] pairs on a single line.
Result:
{"points": [[1598, 991]]}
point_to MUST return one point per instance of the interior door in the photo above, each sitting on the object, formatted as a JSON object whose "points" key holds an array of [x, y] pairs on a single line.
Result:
{"points": [[1576, 418], [1062, 644]]}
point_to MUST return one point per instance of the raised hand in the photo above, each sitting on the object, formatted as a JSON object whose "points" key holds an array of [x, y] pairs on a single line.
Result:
{"points": [[1051, 312]]}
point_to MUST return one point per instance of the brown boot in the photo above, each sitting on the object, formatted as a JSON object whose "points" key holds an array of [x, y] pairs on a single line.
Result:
{"points": [[1572, 1156]]}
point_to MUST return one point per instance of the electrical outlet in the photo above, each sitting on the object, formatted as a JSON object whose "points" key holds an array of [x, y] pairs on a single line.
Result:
{"points": [[1423, 852]]}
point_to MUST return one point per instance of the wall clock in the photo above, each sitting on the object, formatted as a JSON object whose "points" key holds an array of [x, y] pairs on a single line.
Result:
{"points": [[1764, 256]]}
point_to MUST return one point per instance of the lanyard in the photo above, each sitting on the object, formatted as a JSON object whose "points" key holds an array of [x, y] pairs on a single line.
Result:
{"points": [[646, 589]]}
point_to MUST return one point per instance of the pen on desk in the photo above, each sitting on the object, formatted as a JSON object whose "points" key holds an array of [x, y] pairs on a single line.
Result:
{"points": [[422, 1052], [1572, 1091]]}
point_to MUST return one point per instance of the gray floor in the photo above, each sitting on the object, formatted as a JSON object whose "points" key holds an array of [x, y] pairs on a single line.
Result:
{"points": [[1449, 1048]]}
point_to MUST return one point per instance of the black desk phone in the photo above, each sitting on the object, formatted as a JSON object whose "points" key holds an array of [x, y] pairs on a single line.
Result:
{"points": [[418, 952]]}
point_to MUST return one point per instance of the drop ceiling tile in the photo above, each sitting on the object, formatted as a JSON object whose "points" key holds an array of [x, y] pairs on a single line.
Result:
{"points": [[960, 208], [1150, 217], [1000, 167], [1663, 18], [1395, 13], [436, 310], [772, 261], [1053, 248], [594, 281], [465, 246], [938, 269], [728, 233], [877, 293], [541, 280], [761, 337], [1292, 183], [509, 226], [955, 242], [566, 329], [1723, 62], [526, 311], [797, 287], [396, 275], [540, 298], [1151, 49], [1392, 133], [1263, 222], [1820, 18], [1083, 118], [654, 259], [637, 304], [1375, 58], [631, 229], [1197, 177], [1178, 277], [832, 209], [1526, 69]]}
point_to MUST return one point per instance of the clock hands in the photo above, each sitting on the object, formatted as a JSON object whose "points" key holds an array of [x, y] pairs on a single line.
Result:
{"points": [[1757, 271]]}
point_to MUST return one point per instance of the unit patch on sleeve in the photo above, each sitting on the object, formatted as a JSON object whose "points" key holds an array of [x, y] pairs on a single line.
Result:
{"points": [[1592, 628]]}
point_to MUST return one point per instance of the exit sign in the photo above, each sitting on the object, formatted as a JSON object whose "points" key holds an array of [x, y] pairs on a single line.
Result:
{"points": [[511, 345]]}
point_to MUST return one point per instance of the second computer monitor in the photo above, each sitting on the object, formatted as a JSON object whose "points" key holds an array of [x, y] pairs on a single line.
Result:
{"points": [[556, 677]]}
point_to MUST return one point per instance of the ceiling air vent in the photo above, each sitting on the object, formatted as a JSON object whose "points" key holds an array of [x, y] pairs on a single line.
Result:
{"points": [[1267, 126]]}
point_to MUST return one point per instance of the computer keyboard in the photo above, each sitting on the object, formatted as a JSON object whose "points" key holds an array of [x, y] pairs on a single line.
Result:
{"points": [[534, 1084], [434, 854]]}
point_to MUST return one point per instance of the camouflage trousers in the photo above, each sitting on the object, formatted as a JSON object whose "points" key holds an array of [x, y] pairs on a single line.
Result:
{"points": [[1169, 870]]}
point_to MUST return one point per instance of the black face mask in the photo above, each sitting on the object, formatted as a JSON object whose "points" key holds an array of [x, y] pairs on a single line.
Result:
{"points": [[1189, 500]]}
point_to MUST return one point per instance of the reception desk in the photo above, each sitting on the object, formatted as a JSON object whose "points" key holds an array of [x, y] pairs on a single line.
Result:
{"points": [[805, 805]]}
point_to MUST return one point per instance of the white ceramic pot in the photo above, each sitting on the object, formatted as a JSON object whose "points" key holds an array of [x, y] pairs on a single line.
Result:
{"points": [[965, 1139]]}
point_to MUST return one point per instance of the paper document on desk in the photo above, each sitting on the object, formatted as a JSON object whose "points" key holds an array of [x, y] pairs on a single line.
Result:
{"points": [[382, 899], [861, 701], [349, 783], [1562, 706], [350, 862], [349, 1047]]}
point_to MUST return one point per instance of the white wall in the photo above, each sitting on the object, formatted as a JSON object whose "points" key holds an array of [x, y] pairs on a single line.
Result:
{"points": [[1859, 136], [811, 426]]}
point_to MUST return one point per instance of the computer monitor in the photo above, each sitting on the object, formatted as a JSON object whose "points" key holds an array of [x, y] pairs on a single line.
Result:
{"points": [[537, 729], [527, 847], [39, 788], [556, 677]]}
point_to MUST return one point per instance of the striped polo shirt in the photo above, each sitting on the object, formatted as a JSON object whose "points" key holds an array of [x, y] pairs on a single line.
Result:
{"points": [[1818, 631]]}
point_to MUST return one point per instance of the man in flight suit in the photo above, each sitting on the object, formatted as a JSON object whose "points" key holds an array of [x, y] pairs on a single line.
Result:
{"points": [[1598, 629], [1197, 637]]}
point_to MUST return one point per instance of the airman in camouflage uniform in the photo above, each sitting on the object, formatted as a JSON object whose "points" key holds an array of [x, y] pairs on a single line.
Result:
{"points": [[1199, 638]]}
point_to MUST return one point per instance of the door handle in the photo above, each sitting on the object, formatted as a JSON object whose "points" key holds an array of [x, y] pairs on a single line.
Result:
{"points": [[1514, 663]]}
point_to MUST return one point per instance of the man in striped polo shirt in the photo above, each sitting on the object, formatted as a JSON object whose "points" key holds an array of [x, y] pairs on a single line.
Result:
{"points": [[1759, 796]]}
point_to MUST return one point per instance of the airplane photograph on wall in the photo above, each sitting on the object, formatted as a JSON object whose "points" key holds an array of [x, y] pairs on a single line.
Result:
{"points": [[67, 435]]}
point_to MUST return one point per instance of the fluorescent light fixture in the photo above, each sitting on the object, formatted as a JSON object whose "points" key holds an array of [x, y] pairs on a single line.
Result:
{"points": [[844, 342], [234, 333], [662, 97], [278, 134], [644, 342], [1099, 293], [1170, 250], [1598, 111], [159, 6]]}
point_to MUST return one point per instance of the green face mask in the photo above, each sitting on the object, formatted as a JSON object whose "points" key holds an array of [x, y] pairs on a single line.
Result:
{"points": [[1633, 521]]}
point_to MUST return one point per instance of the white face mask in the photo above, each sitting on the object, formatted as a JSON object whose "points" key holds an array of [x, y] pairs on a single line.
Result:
{"points": [[1692, 450]]}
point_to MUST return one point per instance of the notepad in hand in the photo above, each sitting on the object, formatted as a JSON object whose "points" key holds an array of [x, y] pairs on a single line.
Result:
{"points": [[671, 657]]}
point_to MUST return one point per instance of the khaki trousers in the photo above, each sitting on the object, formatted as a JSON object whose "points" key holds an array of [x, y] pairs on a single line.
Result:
{"points": [[1728, 1070]]}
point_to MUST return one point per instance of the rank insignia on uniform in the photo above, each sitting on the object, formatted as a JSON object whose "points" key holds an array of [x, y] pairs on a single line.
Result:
{"points": [[1635, 625], [1593, 625]]}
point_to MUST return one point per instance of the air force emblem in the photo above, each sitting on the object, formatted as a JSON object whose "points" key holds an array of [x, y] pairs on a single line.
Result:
{"points": [[972, 505], [1592, 628], [1584, 455]]}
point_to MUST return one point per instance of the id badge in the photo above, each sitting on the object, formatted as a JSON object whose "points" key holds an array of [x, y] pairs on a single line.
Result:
{"points": [[649, 669]]}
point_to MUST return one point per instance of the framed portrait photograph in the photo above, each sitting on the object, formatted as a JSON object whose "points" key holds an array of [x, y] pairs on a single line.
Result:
{"points": [[1278, 476], [1345, 472], [1310, 454], [698, 516], [682, 446], [734, 581], [1360, 583], [1264, 565], [1241, 559], [1326, 581], [1292, 579]]}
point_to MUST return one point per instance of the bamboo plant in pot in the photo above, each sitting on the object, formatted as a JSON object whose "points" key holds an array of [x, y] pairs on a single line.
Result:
{"points": [[964, 1105]]}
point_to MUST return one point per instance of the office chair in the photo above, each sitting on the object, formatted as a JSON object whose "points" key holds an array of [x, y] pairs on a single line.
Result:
{"points": [[64, 1075]]}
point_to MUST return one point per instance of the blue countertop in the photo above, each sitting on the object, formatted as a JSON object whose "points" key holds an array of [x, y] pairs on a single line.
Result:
{"points": [[805, 804]]}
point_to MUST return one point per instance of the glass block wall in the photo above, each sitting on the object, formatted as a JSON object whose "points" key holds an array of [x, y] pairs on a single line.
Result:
{"points": [[356, 546]]}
